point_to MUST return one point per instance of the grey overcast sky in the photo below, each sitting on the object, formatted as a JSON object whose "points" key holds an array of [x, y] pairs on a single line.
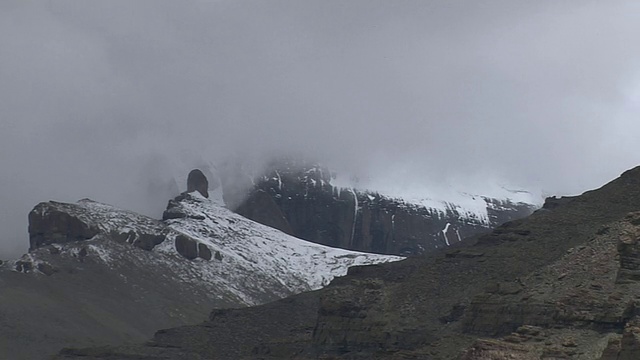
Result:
{"points": [[95, 96]]}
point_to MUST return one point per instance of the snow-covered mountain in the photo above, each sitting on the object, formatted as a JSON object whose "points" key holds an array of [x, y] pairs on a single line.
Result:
{"points": [[98, 274], [310, 201], [199, 242], [306, 200]]}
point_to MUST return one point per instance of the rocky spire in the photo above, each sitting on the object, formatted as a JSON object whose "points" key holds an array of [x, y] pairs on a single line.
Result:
{"points": [[197, 181]]}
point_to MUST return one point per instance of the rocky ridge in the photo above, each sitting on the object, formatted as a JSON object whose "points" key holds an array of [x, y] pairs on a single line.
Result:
{"points": [[96, 274], [560, 284]]}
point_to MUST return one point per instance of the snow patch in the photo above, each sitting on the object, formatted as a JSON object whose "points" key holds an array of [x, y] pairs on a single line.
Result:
{"points": [[444, 233], [355, 214], [279, 180]]}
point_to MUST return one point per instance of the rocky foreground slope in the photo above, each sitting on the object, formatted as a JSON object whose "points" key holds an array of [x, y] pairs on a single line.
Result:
{"points": [[563, 283], [99, 275], [300, 199]]}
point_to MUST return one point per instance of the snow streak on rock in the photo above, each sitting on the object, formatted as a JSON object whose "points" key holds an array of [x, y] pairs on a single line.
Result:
{"points": [[355, 213], [444, 232]]}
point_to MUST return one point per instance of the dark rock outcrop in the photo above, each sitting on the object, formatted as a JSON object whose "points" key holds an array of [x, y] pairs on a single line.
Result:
{"points": [[191, 249], [629, 252], [627, 346], [187, 247], [554, 202], [51, 223], [176, 211], [197, 181], [148, 241], [204, 252], [58, 223], [262, 208]]}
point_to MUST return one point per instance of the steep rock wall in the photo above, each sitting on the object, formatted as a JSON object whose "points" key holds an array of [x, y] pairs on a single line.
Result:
{"points": [[304, 203]]}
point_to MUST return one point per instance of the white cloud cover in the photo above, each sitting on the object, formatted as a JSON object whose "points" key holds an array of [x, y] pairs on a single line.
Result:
{"points": [[541, 95]]}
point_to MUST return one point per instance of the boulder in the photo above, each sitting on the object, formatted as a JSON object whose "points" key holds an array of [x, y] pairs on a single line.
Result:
{"points": [[204, 252], [186, 247]]}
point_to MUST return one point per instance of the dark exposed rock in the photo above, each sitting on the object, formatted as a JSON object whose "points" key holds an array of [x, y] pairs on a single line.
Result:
{"points": [[197, 181], [562, 293], [553, 202], [176, 211], [454, 315], [218, 256], [629, 253], [157, 354], [464, 253], [186, 247], [490, 316], [626, 347], [24, 266], [142, 240], [59, 223], [204, 252], [491, 349], [343, 324], [47, 269], [191, 249], [298, 198], [262, 208], [172, 212], [50, 224], [509, 231], [148, 241]]}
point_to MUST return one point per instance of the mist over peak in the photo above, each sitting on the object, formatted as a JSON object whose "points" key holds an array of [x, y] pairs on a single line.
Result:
{"points": [[100, 99]]}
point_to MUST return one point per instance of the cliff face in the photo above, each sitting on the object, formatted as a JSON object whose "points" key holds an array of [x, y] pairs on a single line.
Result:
{"points": [[301, 200]]}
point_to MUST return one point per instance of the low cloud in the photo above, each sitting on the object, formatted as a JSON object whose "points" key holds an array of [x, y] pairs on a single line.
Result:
{"points": [[102, 99]]}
